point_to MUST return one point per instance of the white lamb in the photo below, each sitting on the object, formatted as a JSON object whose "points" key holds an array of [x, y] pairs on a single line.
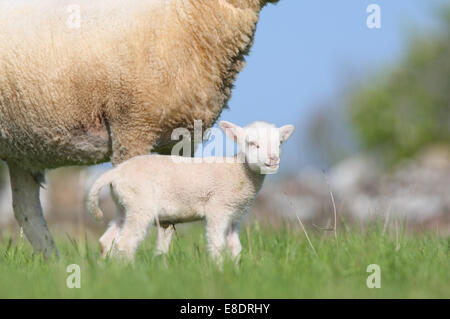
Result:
{"points": [[157, 189]]}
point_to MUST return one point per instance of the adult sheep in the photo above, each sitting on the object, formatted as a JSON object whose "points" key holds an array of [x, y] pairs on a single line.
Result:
{"points": [[111, 88]]}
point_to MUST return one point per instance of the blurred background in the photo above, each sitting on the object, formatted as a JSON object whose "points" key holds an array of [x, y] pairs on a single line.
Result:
{"points": [[371, 107]]}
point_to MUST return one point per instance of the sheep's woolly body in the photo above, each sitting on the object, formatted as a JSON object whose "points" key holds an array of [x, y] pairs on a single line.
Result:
{"points": [[120, 83]]}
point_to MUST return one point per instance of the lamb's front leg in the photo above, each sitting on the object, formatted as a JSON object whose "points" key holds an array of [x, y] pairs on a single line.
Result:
{"points": [[216, 230]]}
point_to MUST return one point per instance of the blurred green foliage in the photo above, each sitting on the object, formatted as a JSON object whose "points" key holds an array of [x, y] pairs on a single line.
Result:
{"points": [[407, 107]]}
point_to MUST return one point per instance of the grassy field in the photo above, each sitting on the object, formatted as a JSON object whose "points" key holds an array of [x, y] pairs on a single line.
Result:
{"points": [[275, 264]]}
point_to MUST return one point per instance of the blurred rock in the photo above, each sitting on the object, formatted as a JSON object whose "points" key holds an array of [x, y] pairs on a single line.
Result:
{"points": [[420, 189]]}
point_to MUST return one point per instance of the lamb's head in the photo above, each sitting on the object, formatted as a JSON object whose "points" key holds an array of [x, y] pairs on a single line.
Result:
{"points": [[260, 143]]}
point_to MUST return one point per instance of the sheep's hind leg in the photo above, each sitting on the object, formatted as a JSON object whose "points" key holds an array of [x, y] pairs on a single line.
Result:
{"points": [[25, 186]]}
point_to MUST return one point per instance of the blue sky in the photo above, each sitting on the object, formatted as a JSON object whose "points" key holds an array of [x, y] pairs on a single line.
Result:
{"points": [[307, 50]]}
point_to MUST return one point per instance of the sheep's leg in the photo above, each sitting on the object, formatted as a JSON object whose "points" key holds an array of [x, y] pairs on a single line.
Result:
{"points": [[132, 233], [216, 228], [164, 239], [25, 186], [233, 241]]}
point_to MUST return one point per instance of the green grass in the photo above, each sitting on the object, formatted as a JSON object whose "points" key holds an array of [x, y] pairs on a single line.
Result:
{"points": [[275, 264]]}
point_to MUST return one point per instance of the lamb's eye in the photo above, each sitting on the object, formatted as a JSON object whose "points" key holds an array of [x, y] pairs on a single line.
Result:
{"points": [[253, 144]]}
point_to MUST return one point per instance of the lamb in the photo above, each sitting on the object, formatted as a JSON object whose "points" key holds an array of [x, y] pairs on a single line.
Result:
{"points": [[114, 87], [165, 190]]}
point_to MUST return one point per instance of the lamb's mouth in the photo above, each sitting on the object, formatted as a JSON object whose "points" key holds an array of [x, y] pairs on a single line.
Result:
{"points": [[269, 169]]}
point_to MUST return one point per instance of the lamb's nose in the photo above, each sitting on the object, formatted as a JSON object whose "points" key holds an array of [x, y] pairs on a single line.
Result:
{"points": [[274, 159]]}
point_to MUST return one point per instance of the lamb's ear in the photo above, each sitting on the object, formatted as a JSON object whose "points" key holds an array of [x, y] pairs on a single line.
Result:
{"points": [[286, 132], [233, 131]]}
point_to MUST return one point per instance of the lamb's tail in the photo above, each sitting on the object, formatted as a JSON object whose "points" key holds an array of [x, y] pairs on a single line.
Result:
{"points": [[92, 200]]}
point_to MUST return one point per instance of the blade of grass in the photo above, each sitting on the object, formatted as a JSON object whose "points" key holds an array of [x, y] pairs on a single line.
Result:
{"points": [[307, 237]]}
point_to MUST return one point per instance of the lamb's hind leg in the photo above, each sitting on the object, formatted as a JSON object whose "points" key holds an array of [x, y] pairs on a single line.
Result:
{"points": [[25, 186], [108, 238], [132, 233], [112, 233], [127, 143], [164, 238]]}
